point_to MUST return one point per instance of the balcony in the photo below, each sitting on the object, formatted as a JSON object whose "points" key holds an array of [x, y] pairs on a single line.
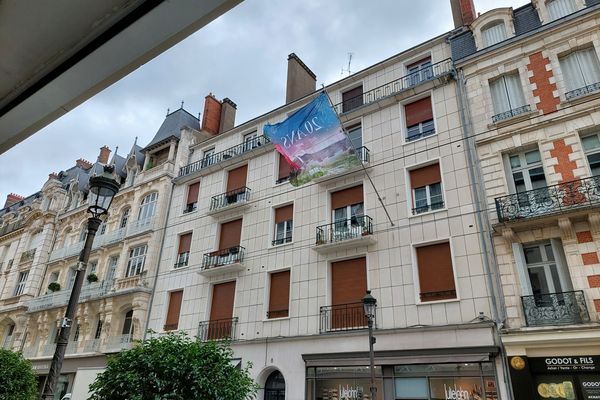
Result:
{"points": [[550, 200], [432, 73], [219, 160], [120, 342], [140, 226], [107, 239], [566, 308], [280, 241], [27, 256], [132, 283], [218, 329], [223, 261], [511, 113], [66, 252], [237, 198], [354, 232], [594, 87], [59, 299], [91, 346], [342, 317]]}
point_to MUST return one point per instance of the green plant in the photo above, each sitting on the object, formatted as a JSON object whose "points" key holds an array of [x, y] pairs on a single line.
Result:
{"points": [[174, 367], [91, 278], [54, 286], [17, 380]]}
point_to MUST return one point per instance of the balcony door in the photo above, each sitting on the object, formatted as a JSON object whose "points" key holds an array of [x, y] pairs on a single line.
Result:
{"points": [[221, 311], [347, 213], [546, 275], [348, 287], [236, 181], [528, 182]]}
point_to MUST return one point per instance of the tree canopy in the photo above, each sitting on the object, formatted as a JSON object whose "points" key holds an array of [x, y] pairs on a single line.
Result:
{"points": [[174, 367], [17, 379]]}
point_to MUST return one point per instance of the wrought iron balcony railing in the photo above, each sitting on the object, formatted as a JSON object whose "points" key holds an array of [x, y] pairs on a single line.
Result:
{"points": [[217, 329], [277, 242], [581, 193], [182, 260], [566, 308], [363, 154], [511, 113], [231, 152], [346, 229], [27, 256], [406, 82], [343, 317], [219, 258], [594, 87], [235, 196]]}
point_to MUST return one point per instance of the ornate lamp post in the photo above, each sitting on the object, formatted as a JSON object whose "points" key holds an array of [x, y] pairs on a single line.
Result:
{"points": [[102, 191], [370, 305]]}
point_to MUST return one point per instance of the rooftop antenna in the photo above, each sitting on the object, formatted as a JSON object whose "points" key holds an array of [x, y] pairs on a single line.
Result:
{"points": [[349, 62], [182, 104], [168, 111]]}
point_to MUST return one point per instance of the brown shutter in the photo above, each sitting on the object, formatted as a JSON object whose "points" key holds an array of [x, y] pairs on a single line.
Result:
{"points": [[425, 176], [174, 310], [284, 167], [279, 295], [236, 178], [347, 197], [350, 94], [436, 278], [185, 242], [284, 213], [418, 111], [348, 281], [193, 190], [418, 63], [231, 233], [222, 301]]}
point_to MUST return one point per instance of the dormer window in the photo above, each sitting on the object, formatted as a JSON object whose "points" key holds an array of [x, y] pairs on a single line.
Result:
{"points": [[493, 33], [560, 8]]}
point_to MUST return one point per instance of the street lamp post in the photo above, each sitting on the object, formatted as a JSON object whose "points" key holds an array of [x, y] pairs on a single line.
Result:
{"points": [[370, 305], [102, 190]]}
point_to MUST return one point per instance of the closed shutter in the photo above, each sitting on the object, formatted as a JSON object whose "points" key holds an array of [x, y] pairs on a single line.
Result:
{"points": [[348, 287], [419, 111], [221, 310], [418, 63], [346, 197], [193, 190], [279, 295], [236, 178], [172, 322], [425, 176], [352, 99], [284, 213], [185, 242], [284, 168], [436, 277], [231, 233]]}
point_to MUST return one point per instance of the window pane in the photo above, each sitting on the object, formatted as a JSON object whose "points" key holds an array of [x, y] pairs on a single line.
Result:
{"points": [[559, 8], [533, 157], [549, 252], [339, 214], [493, 34], [594, 160], [590, 142], [411, 388], [420, 197], [515, 162], [538, 180]]}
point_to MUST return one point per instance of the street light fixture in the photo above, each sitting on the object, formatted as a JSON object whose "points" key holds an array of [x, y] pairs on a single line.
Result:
{"points": [[370, 305], [103, 189]]}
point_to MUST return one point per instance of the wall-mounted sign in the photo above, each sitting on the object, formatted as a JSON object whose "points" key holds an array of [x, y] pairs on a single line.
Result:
{"points": [[517, 363], [565, 364]]}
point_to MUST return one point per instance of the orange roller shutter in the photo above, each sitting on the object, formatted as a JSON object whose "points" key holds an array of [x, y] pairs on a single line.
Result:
{"points": [[185, 242], [193, 190], [279, 295], [436, 277], [283, 214], [346, 197], [425, 176], [419, 111], [231, 233], [174, 310], [236, 178]]}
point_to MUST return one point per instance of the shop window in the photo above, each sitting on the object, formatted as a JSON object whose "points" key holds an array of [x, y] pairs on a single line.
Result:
{"points": [[419, 119], [284, 221], [493, 33], [591, 147], [412, 388], [174, 310], [279, 295], [342, 382], [560, 8], [507, 97], [426, 186], [137, 258], [183, 252], [192, 197], [352, 99], [436, 275], [581, 72]]}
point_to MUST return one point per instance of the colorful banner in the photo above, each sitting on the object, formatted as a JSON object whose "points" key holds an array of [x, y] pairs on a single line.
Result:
{"points": [[313, 142]]}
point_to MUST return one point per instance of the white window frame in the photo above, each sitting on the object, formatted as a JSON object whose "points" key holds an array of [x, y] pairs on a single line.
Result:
{"points": [[148, 206], [208, 155], [267, 295], [591, 152], [284, 238], [515, 102], [579, 60], [9, 333], [404, 127], [124, 218], [428, 199], [421, 72], [21, 283], [486, 38], [136, 261], [415, 268], [559, 13]]}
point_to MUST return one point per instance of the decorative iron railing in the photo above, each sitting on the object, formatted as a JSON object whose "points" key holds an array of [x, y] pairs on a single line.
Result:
{"points": [[343, 317], [429, 207], [217, 329], [511, 113], [363, 154], [27, 256], [215, 259], [346, 229], [549, 200], [566, 308], [582, 91], [231, 152], [277, 242], [406, 82], [235, 196], [182, 260]]}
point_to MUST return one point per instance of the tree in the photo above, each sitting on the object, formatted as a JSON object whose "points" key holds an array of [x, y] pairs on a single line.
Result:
{"points": [[17, 379], [174, 367]]}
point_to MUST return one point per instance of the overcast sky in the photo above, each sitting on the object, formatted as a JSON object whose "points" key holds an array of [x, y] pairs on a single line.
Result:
{"points": [[241, 55]]}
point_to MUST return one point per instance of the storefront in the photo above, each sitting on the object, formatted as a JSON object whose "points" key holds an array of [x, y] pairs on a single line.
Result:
{"points": [[564, 377]]}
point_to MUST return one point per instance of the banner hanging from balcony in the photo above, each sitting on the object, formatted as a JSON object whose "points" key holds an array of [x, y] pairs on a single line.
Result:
{"points": [[313, 142]]}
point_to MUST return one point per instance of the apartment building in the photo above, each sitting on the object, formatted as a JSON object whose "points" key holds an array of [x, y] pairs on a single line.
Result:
{"points": [[529, 80], [282, 270]]}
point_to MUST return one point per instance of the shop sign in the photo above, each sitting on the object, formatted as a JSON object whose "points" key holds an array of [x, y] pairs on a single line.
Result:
{"points": [[591, 388], [565, 364], [456, 393]]}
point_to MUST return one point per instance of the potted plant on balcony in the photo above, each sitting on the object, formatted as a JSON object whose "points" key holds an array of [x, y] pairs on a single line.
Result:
{"points": [[54, 286], [91, 278]]}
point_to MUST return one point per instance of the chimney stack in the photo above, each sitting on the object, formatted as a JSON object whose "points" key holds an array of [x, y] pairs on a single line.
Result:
{"points": [[463, 12], [12, 199], [104, 154], [53, 175], [84, 164], [228, 109], [300, 79], [212, 114]]}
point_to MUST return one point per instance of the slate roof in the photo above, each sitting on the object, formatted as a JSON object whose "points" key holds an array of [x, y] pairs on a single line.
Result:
{"points": [[171, 127]]}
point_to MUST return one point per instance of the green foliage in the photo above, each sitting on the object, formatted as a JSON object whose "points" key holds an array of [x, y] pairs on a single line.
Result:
{"points": [[91, 278], [54, 286], [174, 367], [17, 379]]}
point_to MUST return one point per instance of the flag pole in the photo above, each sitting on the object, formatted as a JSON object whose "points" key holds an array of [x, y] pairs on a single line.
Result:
{"points": [[361, 161]]}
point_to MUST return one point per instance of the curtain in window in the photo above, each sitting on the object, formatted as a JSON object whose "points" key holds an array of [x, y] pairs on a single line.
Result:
{"points": [[506, 93], [493, 34], [580, 69], [560, 8]]}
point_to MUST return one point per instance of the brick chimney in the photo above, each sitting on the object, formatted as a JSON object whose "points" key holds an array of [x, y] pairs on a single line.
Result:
{"points": [[228, 109], [53, 175], [85, 164], [463, 12], [12, 199], [211, 120], [300, 79], [104, 154]]}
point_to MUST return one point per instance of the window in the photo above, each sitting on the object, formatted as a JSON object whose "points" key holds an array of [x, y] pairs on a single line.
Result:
{"points": [[91, 269], [53, 277], [112, 269], [348, 287], [8, 336], [71, 277], [124, 218], [102, 228], [208, 157], [279, 295], [137, 257], [284, 171], [221, 311], [284, 218], [20, 288], [172, 321], [250, 141], [419, 71], [542, 270], [148, 206], [436, 275], [527, 171], [98, 329], [591, 147], [128, 328], [183, 253], [82, 234], [352, 99], [426, 185], [581, 71], [493, 33], [348, 213], [560, 8], [77, 331], [355, 136], [507, 97], [419, 119], [231, 233], [192, 197]]}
